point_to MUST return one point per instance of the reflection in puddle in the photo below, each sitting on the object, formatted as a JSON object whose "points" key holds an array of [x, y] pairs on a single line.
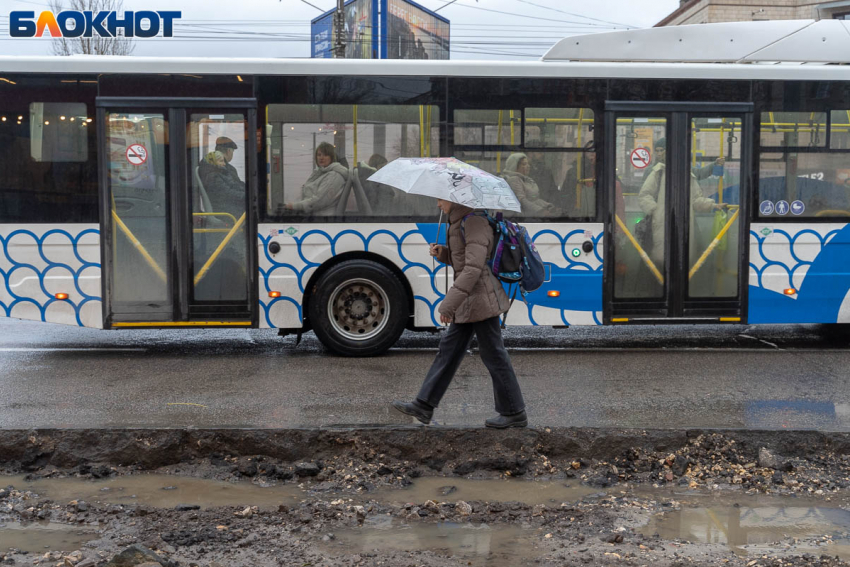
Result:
{"points": [[475, 544], [160, 491], [759, 527], [443, 489], [38, 537]]}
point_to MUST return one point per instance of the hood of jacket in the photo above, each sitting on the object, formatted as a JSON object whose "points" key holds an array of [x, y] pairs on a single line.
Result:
{"points": [[458, 212]]}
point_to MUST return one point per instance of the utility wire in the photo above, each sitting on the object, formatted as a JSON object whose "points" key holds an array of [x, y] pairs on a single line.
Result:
{"points": [[573, 14]]}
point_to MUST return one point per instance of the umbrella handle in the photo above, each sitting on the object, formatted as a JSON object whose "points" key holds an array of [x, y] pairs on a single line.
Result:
{"points": [[439, 229]]}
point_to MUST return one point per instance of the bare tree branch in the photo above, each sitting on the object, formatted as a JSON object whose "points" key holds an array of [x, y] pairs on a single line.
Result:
{"points": [[95, 45]]}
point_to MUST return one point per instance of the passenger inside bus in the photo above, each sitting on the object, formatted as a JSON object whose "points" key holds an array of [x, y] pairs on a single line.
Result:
{"points": [[322, 190], [225, 191], [221, 181], [516, 173], [578, 194], [652, 201], [381, 197]]}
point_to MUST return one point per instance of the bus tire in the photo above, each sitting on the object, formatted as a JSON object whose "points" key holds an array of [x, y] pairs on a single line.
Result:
{"points": [[358, 308]]}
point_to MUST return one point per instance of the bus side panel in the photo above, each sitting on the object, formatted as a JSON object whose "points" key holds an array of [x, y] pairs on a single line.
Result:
{"points": [[799, 273], [40, 261], [576, 275]]}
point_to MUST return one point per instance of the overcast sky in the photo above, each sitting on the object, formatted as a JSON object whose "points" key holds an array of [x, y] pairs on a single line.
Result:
{"points": [[480, 29]]}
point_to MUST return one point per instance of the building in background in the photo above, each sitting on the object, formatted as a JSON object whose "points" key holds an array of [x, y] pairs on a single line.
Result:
{"points": [[384, 29], [712, 11]]}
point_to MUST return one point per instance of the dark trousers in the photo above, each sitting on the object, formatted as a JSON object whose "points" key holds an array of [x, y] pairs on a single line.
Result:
{"points": [[453, 347]]}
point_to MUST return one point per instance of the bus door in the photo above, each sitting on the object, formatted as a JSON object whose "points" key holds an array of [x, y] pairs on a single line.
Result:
{"points": [[177, 192], [677, 180]]}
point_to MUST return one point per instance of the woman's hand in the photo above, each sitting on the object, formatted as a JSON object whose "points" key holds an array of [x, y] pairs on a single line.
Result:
{"points": [[444, 319], [436, 250]]}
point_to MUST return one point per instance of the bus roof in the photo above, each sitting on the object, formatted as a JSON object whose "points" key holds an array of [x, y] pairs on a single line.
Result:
{"points": [[774, 50], [775, 41]]}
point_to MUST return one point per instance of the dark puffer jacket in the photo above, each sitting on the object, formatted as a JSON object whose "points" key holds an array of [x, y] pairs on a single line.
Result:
{"points": [[476, 294]]}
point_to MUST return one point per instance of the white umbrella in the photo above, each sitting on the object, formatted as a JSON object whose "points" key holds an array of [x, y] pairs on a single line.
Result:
{"points": [[449, 179]]}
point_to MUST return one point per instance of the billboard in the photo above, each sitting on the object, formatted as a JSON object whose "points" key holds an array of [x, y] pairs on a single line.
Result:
{"points": [[410, 31], [402, 29], [361, 39]]}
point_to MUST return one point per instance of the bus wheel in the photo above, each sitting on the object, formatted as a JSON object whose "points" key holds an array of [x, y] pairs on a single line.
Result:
{"points": [[358, 308]]}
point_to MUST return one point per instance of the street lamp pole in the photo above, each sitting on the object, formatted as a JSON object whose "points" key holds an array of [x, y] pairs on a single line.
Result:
{"points": [[339, 28]]}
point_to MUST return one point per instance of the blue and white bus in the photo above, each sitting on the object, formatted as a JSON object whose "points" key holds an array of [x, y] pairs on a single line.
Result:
{"points": [[729, 143]]}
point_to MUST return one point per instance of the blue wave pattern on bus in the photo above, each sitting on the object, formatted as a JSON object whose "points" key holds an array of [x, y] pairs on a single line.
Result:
{"points": [[77, 297], [822, 282], [580, 283]]}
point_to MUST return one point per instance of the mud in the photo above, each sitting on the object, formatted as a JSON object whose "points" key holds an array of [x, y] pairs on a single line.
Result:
{"points": [[431, 496]]}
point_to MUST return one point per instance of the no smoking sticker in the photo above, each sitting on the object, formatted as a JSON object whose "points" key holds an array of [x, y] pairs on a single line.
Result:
{"points": [[641, 158], [137, 154]]}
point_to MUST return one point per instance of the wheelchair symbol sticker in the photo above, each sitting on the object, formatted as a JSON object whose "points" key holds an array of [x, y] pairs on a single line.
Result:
{"points": [[766, 207]]}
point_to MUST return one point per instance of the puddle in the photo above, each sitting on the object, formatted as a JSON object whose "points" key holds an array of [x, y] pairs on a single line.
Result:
{"points": [[474, 544], [441, 489], [765, 525], [39, 537], [159, 491]]}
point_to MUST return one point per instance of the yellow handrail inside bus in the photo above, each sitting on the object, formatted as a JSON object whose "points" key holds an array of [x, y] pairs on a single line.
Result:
{"points": [[650, 264], [428, 134], [421, 131], [579, 162], [138, 246], [512, 127], [720, 179], [713, 244], [225, 241]]}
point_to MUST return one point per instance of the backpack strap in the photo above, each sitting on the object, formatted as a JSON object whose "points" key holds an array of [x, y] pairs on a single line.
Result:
{"points": [[511, 304], [463, 222]]}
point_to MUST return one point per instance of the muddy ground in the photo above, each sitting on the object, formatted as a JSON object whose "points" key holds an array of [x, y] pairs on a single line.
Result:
{"points": [[635, 476]]}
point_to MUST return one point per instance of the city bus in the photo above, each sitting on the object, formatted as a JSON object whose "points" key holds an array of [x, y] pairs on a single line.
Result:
{"points": [[698, 174]]}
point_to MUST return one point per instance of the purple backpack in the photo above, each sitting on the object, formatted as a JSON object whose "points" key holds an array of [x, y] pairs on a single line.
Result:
{"points": [[515, 259]]}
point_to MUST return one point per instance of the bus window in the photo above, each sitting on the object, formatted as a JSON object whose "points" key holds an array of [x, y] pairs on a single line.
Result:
{"points": [[715, 172], [487, 127], [801, 184], [138, 196], [359, 140], [798, 175], [839, 128], [548, 184], [558, 127], [58, 131], [218, 146], [48, 165], [793, 129]]}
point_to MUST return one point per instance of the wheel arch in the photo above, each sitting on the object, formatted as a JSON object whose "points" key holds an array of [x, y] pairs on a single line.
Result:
{"points": [[356, 255]]}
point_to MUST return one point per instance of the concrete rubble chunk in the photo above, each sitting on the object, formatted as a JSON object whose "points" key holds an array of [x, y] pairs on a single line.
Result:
{"points": [[137, 555], [306, 469], [770, 460], [463, 508]]}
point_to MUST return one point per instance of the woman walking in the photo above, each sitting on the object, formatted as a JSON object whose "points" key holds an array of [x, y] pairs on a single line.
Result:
{"points": [[472, 306]]}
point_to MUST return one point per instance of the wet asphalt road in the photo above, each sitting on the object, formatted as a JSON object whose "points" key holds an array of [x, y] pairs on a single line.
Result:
{"points": [[767, 377]]}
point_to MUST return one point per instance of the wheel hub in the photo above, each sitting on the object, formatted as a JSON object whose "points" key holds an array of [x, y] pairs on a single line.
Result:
{"points": [[358, 309]]}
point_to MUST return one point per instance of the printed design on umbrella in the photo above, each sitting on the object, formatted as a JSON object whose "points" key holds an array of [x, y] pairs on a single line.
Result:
{"points": [[449, 179], [471, 186]]}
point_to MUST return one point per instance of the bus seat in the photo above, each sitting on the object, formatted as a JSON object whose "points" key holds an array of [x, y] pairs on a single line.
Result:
{"points": [[363, 206], [343, 197], [204, 205]]}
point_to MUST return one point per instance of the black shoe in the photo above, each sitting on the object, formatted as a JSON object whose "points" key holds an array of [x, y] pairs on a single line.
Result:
{"points": [[416, 409], [504, 421]]}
